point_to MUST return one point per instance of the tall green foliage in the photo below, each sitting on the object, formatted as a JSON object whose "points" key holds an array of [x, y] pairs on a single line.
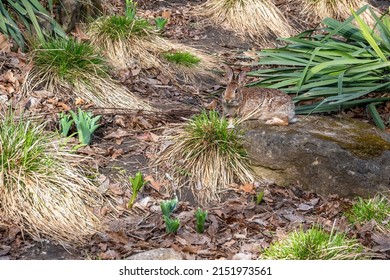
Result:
{"points": [[335, 67], [22, 18]]}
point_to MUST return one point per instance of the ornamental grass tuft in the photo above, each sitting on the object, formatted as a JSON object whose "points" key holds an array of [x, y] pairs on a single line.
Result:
{"points": [[314, 244], [206, 157], [68, 67], [44, 189]]}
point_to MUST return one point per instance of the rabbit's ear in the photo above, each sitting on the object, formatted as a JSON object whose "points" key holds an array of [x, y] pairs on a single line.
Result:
{"points": [[241, 77], [229, 73]]}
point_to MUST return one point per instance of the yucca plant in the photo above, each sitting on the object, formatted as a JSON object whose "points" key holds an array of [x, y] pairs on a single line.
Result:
{"points": [[260, 19], [132, 40], [78, 67], [314, 244], [336, 68], [35, 19], [206, 157], [43, 189]]}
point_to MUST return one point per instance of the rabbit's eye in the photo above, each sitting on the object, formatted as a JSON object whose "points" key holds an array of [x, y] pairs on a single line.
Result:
{"points": [[235, 91]]}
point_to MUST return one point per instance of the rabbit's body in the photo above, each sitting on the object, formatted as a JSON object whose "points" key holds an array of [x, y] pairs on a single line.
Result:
{"points": [[271, 106]]}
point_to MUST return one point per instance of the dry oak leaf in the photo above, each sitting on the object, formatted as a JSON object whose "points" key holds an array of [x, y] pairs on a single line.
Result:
{"points": [[117, 134], [156, 185], [148, 137], [5, 45], [79, 101], [248, 188], [9, 77], [64, 106], [166, 14], [120, 121]]}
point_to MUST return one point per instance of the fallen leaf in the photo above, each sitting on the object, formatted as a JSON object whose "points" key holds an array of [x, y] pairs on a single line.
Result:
{"points": [[214, 225], [4, 250], [182, 241], [119, 237], [191, 249], [248, 188], [116, 189], [104, 183], [120, 121], [5, 45], [13, 232], [53, 101], [42, 93], [166, 14], [305, 207], [64, 106], [383, 241], [135, 70], [229, 244], [147, 136], [80, 34], [9, 77], [156, 185], [212, 105], [103, 246], [79, 101], [109, 255], [117, 134], [294, 218], [314, 201], [163, 79], [139, 121], [117, 153]]}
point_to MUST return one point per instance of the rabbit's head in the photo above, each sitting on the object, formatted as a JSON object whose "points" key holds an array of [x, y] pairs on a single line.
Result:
{"points": [[233, 96]]}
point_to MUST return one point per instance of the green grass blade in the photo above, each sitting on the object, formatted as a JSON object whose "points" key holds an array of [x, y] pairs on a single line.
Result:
{"points": [[306, 70], [371, 108], [32, 17], [367, 33]]}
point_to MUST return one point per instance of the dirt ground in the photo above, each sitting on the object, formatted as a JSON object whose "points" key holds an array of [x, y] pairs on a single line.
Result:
{"points": [[125, 143]]}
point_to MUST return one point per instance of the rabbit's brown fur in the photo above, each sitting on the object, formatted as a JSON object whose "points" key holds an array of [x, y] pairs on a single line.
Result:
{"points": [[269, 105]]}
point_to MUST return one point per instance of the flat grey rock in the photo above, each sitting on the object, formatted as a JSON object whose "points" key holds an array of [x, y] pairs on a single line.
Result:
{"points": [[323, 154]]}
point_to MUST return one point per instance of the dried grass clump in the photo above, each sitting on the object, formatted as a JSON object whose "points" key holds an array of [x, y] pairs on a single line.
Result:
{"points": [[43, 189], [337, 9], [67, 67], [260, 19], [145, 48], [206, 156]]}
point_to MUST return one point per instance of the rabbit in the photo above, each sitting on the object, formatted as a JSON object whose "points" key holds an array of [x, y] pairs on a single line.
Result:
{"points": [[271, 106]]}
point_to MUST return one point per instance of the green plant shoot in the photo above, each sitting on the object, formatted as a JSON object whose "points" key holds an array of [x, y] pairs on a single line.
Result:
{"points": [[168, 206], [65, 124], [160, 23], [172, 225], [85, 124], [259, 197], [201, 217], [130, 9], [136, 185]]}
